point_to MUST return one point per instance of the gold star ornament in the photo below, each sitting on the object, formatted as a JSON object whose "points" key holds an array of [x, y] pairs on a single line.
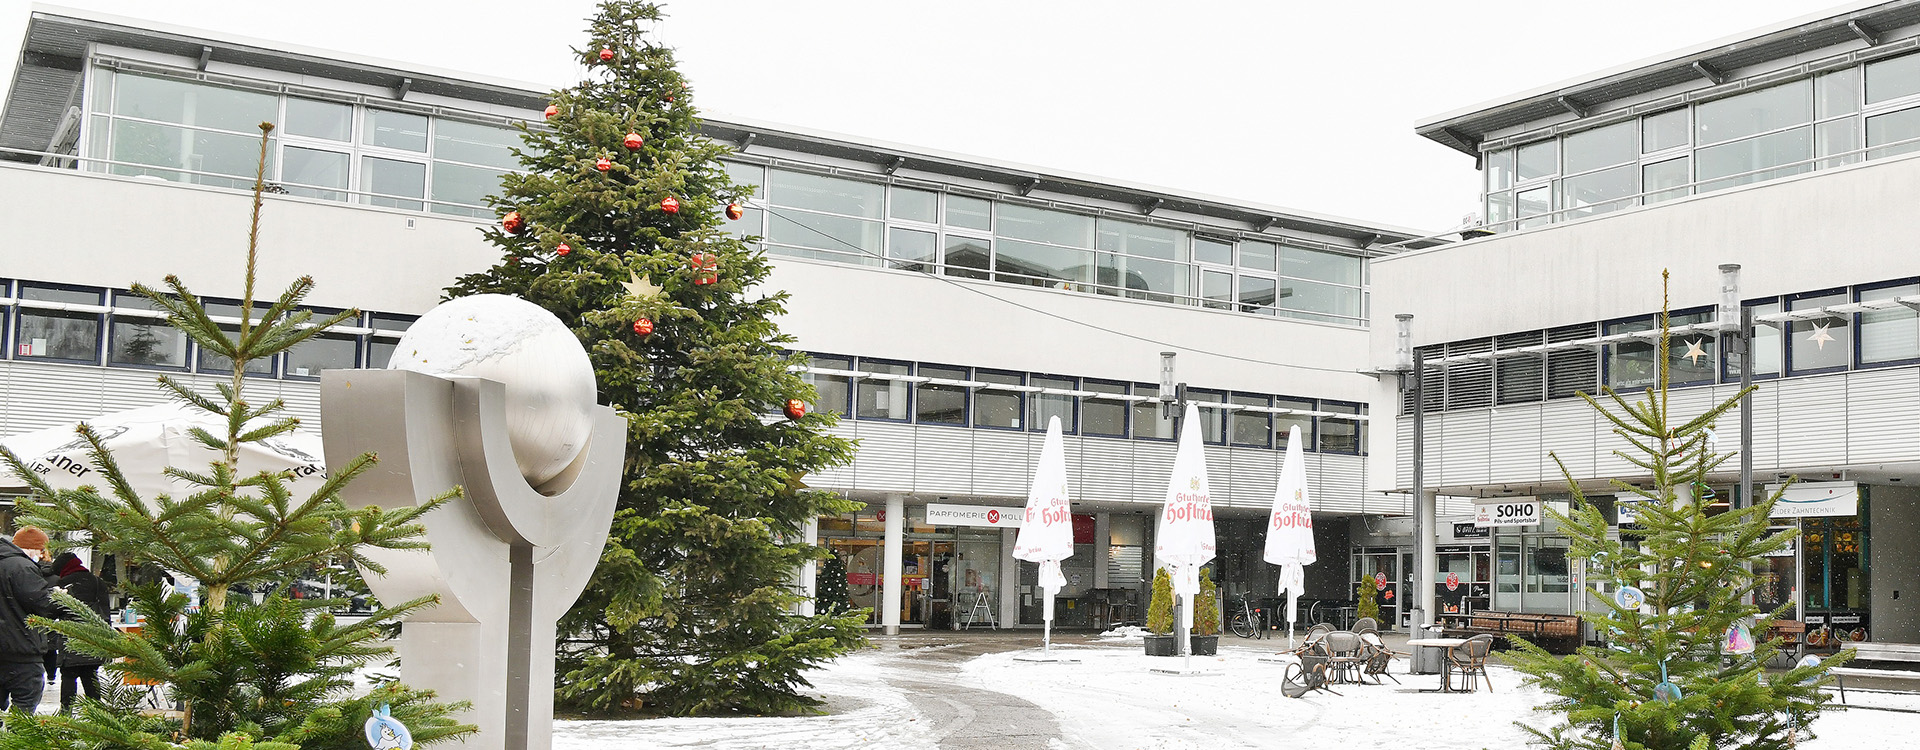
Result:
{"points": [[640, 289]]}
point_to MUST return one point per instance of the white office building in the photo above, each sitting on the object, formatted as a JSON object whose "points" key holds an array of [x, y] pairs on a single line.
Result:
{"points": [[1787, 151], [950, 304]]}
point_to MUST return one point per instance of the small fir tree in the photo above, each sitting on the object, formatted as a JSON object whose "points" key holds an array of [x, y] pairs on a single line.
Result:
{"points": [[1666, 680], [1369, 598], [616, 227], [278, 674], [830, 589], [1160, 607], [1206, 607]]}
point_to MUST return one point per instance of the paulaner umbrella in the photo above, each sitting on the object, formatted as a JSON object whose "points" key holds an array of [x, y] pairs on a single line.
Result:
{"points": [[1046, 533], [1185, 540], [146, 441], [1290, 528]]}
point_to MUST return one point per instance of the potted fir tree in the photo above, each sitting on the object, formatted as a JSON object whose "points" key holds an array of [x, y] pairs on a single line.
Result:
{"points": [[1369, 604], [1205, 638], [1160, 616]]}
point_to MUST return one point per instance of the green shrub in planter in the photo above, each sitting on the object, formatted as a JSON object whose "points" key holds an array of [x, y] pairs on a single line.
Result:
{"points": [[1206, 607], [1160, 608], [1369, 598]]}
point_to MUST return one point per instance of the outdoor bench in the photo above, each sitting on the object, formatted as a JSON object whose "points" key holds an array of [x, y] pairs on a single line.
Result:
{"points": [[1558, 634]]}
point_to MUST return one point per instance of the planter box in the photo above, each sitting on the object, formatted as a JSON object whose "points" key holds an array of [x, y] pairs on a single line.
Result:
{"points": [[1161, 645], [1204, 645]]}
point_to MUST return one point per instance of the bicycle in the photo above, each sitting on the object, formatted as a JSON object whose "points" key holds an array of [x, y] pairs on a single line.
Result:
{"points": [[1246, 620]]}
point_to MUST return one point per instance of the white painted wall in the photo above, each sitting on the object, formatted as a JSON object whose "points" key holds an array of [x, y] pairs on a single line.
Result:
{"points": [[1825, 229]]}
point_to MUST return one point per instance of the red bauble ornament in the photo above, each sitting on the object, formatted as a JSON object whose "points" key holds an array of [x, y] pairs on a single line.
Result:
{"points": [[706, 268], [643, 327], [796, 408], [512, 222], [552, 109], [603, 164], [670, 204], [606, 54], [562, 249], [734, 211], [633, 140]]}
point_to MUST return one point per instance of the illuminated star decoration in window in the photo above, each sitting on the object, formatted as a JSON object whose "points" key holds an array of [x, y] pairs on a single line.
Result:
{"points": [[1820, 337], [1694, 352], [639, 288]]}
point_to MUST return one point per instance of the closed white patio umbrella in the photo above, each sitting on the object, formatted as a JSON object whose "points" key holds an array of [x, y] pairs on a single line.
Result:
{"points": [[1290, 528], [1046, 533], [1185, 540]]}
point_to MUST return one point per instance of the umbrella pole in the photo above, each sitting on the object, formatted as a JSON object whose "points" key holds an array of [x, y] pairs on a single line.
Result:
{"points": [[1046, 638], [1186, 637]]}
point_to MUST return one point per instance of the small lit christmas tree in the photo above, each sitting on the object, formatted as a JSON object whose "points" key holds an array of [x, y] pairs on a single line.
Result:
{"points": [[1682, 670], [830, 588]]}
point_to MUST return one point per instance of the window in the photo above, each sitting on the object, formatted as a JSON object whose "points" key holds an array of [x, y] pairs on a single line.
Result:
{"points": [[1259, 256], [1599, 192], [998, 407], [1537, 160], [392, 179], [826, 217], [1663, 131], [1667, 180], [401, 131], [1250, 428], [140, 341], [1747, 162], [1298, 414], [195, 127], [1893, 79], [1767, 345], [324, 351], [211, 362], [1634, 365], [1103, 415], [1519, 378], [1570, 372], [751, 177], [1257, 294], [940, 403], [969, 213], [1900, 128], [380, 348], [1892, 334], [1216, 289], [1148, 422], [1595, 148], [312, 118], [1341, 434], [831, 392], [1500, 172], [968, 257], [1210, 250], [1147, 261], [914, 205], [1213, 421], [1754, 113], [314, 173], [56, 334], [1046, 405], [1820, 344], [913, 250], [884, 397]]}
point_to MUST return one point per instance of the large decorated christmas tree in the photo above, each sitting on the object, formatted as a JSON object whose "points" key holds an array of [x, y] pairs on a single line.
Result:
{"points": [[1682, 668], [617, 226]]}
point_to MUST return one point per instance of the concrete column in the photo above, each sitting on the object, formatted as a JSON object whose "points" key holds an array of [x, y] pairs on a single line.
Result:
{"points": [[809, 533], [1424, 557], [1102, 534], [1009, 579], [890, 567]]}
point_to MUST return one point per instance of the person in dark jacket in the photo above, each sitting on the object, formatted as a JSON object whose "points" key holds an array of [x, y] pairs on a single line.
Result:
{"points": [[23, 592], [33, 541], [81, 584]]}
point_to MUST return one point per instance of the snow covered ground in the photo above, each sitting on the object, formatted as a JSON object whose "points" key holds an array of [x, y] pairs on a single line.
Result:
{"points": [[1111, 701]]}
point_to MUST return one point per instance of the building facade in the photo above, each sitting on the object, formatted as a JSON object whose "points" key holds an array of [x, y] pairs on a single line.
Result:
{"points": [[950, 305], [1786, 151]]}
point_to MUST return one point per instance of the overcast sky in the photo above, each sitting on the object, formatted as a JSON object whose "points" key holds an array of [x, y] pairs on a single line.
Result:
{"points": [[1304, 105]]}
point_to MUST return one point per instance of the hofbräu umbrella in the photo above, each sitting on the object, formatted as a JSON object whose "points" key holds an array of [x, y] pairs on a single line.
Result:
{"points": [[1185, 540], [1046, 532], [1290, 528]]}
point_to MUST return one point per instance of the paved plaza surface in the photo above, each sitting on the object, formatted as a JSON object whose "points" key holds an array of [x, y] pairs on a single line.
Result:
{"points": [[944, 690]]}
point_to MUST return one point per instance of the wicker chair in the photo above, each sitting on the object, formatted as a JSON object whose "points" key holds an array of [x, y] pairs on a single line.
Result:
{"points": [[1378, 658], [1469, 659], [1349, 655], [1366, 625], [1310, 674]]}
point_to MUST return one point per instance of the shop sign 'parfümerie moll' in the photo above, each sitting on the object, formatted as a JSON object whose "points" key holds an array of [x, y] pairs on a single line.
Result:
{"points": [[1809, 499], [939, 514], [1508, 511]]}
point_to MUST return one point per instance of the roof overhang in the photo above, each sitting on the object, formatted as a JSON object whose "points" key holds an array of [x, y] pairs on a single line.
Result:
{"points": [[1706, 65]]}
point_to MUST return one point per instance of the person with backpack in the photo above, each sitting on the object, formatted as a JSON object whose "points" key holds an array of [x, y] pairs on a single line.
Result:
{"points": [[81, 584], [23, 592]]}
